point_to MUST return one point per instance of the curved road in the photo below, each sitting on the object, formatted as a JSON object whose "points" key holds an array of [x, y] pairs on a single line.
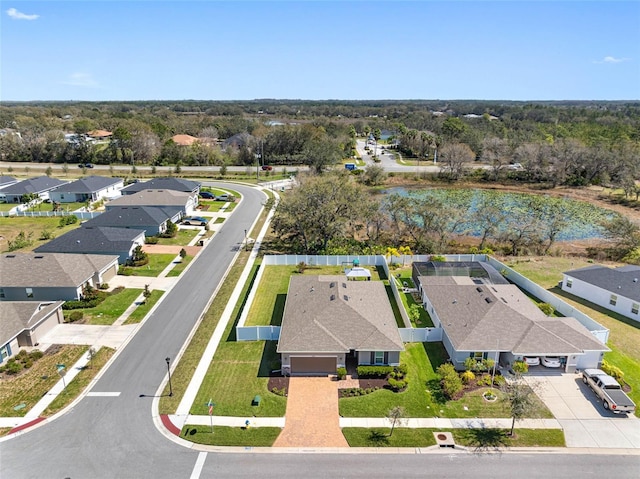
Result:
{"points": [[116, 437]]}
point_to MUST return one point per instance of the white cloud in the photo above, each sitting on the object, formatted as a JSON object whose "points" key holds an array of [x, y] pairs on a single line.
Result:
{"points": [[81, 79], [16, 15], [610, 59]]}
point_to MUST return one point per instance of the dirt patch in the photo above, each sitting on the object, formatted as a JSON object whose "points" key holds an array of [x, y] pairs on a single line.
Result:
{"points": [[170, 249], [279, 383]]}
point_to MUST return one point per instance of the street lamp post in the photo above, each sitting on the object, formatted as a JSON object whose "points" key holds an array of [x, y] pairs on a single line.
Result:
{"points": [[168, 360], [246, 241]]}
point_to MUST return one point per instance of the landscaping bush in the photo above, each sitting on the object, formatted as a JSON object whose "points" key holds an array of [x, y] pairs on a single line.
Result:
{"points": [[151, 240], [279, 391], [353, 392], [402, 369], [484, 380], [467, 377], [68, 220], [12, 367], [520, 367], [499, 380], [547, 309], [397, 384], [75, 316], [103, 286], [342, 373], [36, 354], [450, 380], [612, 371], [82, 304], [374, 372]]}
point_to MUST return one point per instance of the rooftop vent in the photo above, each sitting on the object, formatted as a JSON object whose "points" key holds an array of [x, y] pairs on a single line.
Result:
{"points": [[479, 289], [333, 297], [635, 280], [332, 284], [39, 257], [488, 300]]}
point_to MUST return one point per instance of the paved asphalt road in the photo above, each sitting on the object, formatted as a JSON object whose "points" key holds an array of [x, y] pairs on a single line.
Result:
{"points": [[116, 437]]}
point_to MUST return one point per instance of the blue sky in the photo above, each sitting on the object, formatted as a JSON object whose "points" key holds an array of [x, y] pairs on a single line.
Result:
{"points": [[210, 50]]}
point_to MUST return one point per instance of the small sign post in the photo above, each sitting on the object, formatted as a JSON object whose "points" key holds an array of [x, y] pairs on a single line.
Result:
{"points": [[210, 405], [62, 372]]}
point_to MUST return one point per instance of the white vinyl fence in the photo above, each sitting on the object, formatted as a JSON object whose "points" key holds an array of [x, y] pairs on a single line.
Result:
{"points": [[257, 333]]}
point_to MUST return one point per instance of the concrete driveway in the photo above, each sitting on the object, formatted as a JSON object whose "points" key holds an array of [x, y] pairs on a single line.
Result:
{"points": [[585, 421]]}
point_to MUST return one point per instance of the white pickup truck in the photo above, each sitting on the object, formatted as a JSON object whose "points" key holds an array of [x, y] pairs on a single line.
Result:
{"points": [[609, 390]]}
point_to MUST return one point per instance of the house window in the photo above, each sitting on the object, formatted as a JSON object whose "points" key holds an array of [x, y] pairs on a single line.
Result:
{"points": [[4, 353], [569, 282], [613, 300], [29, 292], [635, 307], [378, 357], [478, 355]]}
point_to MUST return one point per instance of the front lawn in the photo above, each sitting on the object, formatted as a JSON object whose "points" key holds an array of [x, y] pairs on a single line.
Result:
{"points": [[157, 264], [180, 266], [182, 238], [110, 309], [476, 438], [141, 311], [29, 387], [231, 436]]}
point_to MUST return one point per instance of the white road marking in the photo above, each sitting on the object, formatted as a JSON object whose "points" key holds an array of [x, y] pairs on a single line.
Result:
{"points": [[104, 394], [197, 469]]}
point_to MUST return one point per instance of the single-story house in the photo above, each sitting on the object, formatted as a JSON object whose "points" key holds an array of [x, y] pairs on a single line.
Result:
{"points": [[615, 289], [23, 322], [99, 135], [6, 181], [41, 186], [180, 201], [52, 276], [184, 140], [483, 316], [165, 183], [91, 188], [328, 319], [152, 220], [96, 240]]}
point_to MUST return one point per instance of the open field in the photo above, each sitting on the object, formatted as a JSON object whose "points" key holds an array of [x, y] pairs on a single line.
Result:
{"points": [[10, 227]]}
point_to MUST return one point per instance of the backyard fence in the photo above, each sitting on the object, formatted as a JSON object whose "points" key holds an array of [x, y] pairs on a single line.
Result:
{"points": [[257, 333], [420, 335]]}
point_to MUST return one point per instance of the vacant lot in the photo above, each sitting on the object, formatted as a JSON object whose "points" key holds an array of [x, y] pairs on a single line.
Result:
{"points": [[10, 227]]}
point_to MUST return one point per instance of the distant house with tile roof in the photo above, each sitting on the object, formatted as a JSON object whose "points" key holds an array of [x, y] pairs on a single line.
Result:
{"points": [[52, 276], [90, 188], [40, 186], [328, 319], [96, 240], [22, 323], [152, 220], [179, 201], [163, 183], [483, 316], [184, 140], [615, 289], [99, 134]]}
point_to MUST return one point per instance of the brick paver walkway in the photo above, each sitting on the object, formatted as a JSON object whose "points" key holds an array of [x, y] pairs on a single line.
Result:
{"points": [[312, 418]]}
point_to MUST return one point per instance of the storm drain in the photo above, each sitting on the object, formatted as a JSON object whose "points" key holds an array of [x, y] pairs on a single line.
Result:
{"points": [[444, 439]]}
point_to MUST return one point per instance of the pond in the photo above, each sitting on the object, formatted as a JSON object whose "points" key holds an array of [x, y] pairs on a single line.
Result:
{"points": [[583, 219]]}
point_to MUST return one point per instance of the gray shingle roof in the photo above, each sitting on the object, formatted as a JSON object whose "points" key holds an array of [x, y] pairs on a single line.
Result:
{"points": [[619, 281], [153, 198], [53, 269], [16, 316], [89, 184], [33, 185], [132, 216], [331, 314], [489, 317], [93, 240], [166, 183], [6, 180]]}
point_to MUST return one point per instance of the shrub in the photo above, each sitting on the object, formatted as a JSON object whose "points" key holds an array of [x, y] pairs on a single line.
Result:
{"points": [[547, 309], [450, 380], [301, 267], [402, 369], [342, 373], [467, 377], [484, 380], [75, 316], [36, 354], [279, 391], [13, 367], [46, 235], [151, 240], [613, 371], [499, 380], [397, 384], [67, 220], [103, 286], [374, 371], [520, 367]]}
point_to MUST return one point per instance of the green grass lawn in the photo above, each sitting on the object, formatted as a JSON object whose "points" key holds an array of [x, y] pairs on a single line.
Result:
{"points": [[34, 225], [475, 438], [63, 206], [157, 264], [111, 308], [81, 381], [29, 387], [182, 238], [231, 436], [624, 336], [141, 311], [180, 267], [218, 221], [423, 397], [211, 206], [7, 206]]}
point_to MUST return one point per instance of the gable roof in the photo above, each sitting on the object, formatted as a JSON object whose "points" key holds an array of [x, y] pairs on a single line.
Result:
{"points": [[6, 181], [153, 198], [491, 317], [128, 216], [33, 185], [98, 240], [184, 140], [53, 269], [331, 314], [16, 316], [89, 184], [165, 183], [99, 133], [623, 281]]}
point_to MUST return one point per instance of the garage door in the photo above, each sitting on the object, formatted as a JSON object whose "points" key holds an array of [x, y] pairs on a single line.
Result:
{"points": [[313, 366]]}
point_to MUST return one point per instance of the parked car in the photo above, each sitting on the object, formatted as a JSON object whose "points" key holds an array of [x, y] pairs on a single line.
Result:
{"points": [[207, 195], [531, 360], [609, 390], [88, 165], [224, 197], [195, 220], [551, 361], [267, 167]]}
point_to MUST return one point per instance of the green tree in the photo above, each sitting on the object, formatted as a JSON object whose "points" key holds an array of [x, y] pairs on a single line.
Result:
{"points": [[321, 154], [397, 416], [520, 399]]}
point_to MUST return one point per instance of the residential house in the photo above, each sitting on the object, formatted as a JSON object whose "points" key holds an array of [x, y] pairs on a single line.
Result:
{"points": [[615, 289], [153, 220], [91, 188], [177, 201], [22, 323], [52, 276], [328, 319], [184, 140], [164, 183], [40, 186], [483, 316], [96, 240], [99, 135], [7, 181]]}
